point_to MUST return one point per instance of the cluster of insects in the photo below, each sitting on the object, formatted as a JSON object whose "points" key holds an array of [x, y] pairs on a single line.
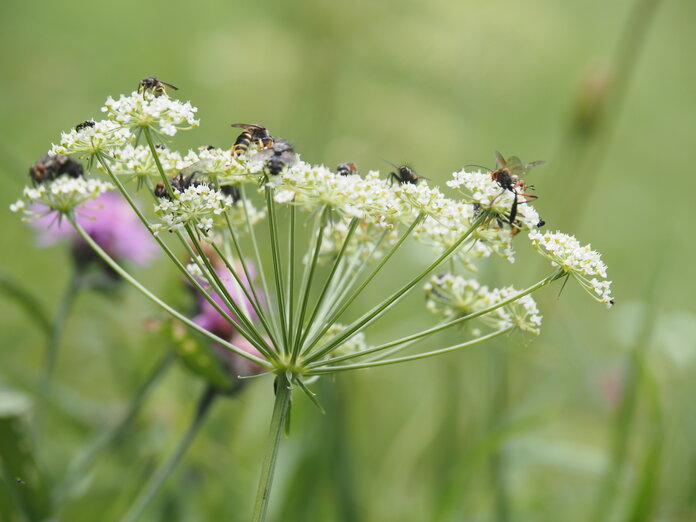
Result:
{"points": [[278, 154]]}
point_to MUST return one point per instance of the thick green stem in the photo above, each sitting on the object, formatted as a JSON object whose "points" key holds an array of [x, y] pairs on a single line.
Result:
{"points": [[280, 411], [157, 480], [153, 151]]}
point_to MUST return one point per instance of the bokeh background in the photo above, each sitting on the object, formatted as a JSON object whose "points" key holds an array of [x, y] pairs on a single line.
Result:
{"points": [[593, 420]]}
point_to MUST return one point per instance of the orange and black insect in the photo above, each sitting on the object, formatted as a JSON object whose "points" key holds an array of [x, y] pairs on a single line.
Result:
{"points": [[404, 174], [507, 175], [252, 133], [347, 169], [154, 85], [84, 125]]}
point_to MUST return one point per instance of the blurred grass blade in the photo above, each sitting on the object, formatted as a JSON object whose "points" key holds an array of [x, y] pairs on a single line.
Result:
{"points": [[14, 290], [25, 481], [646, 490]]}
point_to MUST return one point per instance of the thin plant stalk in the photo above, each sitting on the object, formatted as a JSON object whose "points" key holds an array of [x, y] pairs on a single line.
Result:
{"points": [[339, 257], [415, 357], [57, 328], [280, 411], [181, 317], [308, 275], [259, 264], [438, 328], [277, 269], [378, 310], [363, 285], [157, 480], [173, 258]]}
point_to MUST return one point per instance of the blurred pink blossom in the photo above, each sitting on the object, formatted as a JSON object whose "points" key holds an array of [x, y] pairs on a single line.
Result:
{"points": [[110, 221]]}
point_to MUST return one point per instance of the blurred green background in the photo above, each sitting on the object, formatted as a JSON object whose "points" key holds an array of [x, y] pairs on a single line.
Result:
{"points": [[604, 91]]}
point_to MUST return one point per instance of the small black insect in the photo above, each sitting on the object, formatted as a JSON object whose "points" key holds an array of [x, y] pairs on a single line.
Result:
{"points": [[206, 147], [347, 169], [50, 167], [252, 133], [278, 156], [404, 174], [84, 125], [155, 86], [180, 182], [231, 191]]}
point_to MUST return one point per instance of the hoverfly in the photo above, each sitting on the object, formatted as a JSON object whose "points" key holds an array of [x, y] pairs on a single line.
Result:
{"points": [[252, 133], [154, 85]]}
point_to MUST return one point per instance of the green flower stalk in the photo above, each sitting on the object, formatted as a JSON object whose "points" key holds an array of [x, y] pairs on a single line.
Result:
{"points": [[303, 321]]}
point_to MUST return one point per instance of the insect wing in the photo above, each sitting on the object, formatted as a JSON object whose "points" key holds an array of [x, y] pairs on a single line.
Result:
{"points": [[499, 161], [248, 126]]}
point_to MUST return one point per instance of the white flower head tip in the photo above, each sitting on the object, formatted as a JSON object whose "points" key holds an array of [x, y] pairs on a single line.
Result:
{"points": [[89, 140], [140, 110], [576, 260], [61, 195]]}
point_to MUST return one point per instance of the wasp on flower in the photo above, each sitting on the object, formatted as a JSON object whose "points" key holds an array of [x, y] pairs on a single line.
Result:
{"points": [[294, 320]]}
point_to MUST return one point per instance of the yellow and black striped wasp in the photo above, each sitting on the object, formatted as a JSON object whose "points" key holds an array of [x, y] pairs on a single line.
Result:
{"points": [[252, 133], [155, 86]]}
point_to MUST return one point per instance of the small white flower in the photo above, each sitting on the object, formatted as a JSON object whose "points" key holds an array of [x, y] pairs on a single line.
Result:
{"points": [[162, 114], [453, 296], [353, 345], [578, 261], [198, 206], [103, 136], [138, 162], [61, 195]]}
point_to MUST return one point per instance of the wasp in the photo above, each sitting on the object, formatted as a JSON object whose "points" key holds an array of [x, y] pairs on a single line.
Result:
{"points": [[180, 182], [347, 169], [84, 125], [49, 168], [404, 174], [155, 86], [252, 133], [507, 175], [278, 156]]}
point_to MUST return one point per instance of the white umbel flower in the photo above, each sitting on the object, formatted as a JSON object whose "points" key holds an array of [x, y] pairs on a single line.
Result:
{"points": [[100, 138], [162, 114], [138, 163], [576, 260], [61, 195], [481, 189], [198, 206]]}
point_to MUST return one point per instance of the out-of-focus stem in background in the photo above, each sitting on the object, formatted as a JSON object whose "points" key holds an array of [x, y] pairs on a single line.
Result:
{"points": [[594, 117]]}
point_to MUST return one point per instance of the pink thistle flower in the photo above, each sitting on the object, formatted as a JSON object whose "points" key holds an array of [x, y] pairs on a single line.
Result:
{"points": [[110, 221]]}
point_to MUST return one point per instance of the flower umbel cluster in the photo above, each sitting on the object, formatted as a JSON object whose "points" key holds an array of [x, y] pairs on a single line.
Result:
{"points": [[327, 235]]}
